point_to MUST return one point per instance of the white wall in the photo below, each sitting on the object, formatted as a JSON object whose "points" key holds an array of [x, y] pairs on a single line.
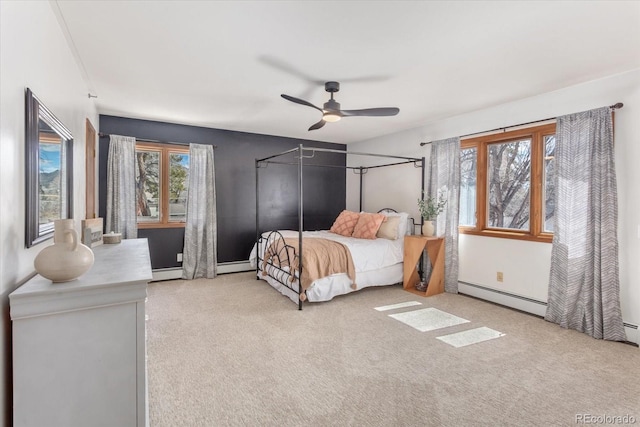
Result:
{"points": [[525, 264], [33, 53]]}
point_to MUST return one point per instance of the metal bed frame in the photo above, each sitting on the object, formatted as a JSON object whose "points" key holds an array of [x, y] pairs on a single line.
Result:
{"points": [[300, 153]]}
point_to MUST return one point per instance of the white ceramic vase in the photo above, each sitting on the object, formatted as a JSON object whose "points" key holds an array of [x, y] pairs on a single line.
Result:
{"points": [[67, 259], [427, 228]]}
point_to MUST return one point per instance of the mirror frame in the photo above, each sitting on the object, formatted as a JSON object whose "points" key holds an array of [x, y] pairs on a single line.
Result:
{"points": [[36, 111]]}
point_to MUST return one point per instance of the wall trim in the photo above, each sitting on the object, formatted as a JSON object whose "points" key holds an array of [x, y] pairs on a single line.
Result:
{"points": [[528, 305]]}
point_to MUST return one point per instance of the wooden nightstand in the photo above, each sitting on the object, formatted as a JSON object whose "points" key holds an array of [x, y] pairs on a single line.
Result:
{"points": [[414, 247]]}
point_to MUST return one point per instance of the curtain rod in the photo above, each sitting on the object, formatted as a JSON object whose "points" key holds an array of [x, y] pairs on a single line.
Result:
{"points": [[101, 135], [613, 107]]}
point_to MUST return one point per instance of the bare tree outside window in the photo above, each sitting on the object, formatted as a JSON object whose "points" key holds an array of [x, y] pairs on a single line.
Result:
{"points": [[549, 184], [509, 182], [468, 184], [148, 185], [178, 185]]}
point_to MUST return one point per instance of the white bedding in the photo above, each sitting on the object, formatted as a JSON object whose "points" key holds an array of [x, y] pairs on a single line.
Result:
{"points": [[377, 262]]}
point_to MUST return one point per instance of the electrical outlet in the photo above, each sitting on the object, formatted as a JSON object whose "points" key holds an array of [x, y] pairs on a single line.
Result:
{"points": [[499, 276], [179, 258]]}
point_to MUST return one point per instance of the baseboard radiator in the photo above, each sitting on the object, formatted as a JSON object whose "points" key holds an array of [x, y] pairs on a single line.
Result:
{"points": [[223, 268], [525, 304]]}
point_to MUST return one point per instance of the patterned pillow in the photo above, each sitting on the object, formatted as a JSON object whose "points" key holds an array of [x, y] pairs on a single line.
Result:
{"points": [[345, 223], [368, 225]]}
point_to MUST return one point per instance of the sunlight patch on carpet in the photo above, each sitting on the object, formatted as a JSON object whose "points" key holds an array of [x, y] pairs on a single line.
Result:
{"points": [[428, 319], [399, 305], [472, 336]]}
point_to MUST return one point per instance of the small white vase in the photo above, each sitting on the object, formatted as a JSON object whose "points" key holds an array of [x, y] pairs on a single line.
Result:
{"points": [[427, 228], [67, 259]]}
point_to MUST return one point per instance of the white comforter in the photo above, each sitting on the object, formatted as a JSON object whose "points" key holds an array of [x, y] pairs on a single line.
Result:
{"points": [[367, 254], [377, 263]]}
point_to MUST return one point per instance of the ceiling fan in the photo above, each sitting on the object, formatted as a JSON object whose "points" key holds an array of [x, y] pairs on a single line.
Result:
{"points": [[332, 112]]}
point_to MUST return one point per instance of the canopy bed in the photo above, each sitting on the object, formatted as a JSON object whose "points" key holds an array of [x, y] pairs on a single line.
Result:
{"points": [[361, 249]]}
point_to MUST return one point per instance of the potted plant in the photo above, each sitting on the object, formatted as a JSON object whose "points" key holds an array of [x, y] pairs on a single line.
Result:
{"points": [[429, 208]]}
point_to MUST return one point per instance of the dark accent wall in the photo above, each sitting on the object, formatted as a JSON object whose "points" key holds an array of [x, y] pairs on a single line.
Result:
{"points": [[235, 154]]}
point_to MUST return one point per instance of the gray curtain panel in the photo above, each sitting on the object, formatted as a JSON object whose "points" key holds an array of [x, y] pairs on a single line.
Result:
{"points": [[200, 234], [121, 187], [444, 178], [584, 284]]}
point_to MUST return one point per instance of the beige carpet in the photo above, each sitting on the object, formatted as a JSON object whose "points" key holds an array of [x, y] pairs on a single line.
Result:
{"points": [[233, 351]]}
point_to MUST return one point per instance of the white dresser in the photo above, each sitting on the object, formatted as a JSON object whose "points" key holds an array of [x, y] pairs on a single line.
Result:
{"points": [[79, 348]]}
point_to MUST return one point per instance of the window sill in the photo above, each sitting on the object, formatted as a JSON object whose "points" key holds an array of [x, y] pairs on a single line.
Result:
{"points": [[147, 225], [503, 234]]}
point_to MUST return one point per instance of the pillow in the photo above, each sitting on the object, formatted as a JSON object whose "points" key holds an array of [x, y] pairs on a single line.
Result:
{"points": [[389, 228], [404, 219], [368, 225], [345, 223]]}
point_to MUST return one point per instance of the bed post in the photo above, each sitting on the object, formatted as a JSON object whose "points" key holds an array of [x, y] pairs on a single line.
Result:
{"points": [[257, 223], [422, 183], [421, 269], [360, 169], [300, 226]]}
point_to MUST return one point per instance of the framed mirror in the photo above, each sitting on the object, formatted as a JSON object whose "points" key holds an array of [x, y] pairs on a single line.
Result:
{"points": [[49, 171]]}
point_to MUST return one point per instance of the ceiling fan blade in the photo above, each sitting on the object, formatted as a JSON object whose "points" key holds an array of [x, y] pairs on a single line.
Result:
{"points": [[300, 101], [365, 79], [290, 69], [378, 112], [318, 125]]}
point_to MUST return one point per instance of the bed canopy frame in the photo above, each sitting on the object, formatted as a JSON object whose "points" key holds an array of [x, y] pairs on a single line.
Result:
{"points": [[300, 153]]}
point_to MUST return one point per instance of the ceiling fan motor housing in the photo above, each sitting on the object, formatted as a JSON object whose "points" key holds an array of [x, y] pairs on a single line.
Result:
{"points": [[332, 87], [331, 105]]}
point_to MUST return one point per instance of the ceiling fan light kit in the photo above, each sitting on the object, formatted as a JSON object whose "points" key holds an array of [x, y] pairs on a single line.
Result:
{"points": [[330, 117], [332, 112]]}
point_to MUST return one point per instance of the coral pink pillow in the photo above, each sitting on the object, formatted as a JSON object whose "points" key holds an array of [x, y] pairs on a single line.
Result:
{"points": [[368, 225], [345, 223]]}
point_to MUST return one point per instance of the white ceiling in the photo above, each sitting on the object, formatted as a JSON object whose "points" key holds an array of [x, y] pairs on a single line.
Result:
{"points": [[224, 64]]}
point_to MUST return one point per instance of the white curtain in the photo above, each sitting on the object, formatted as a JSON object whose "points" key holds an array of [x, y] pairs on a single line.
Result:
{"points": [[121, 187], [584, 284], [444, 178], [200, 235]]}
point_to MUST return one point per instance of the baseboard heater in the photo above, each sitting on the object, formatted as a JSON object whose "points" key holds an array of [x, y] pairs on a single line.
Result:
{"points": [[528, 305], [223, 268], [507, 299]]}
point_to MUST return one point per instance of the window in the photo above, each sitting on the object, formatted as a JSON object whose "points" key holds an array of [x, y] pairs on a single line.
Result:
{"points": [[162, 178], [509, 184], [506, 184]]}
